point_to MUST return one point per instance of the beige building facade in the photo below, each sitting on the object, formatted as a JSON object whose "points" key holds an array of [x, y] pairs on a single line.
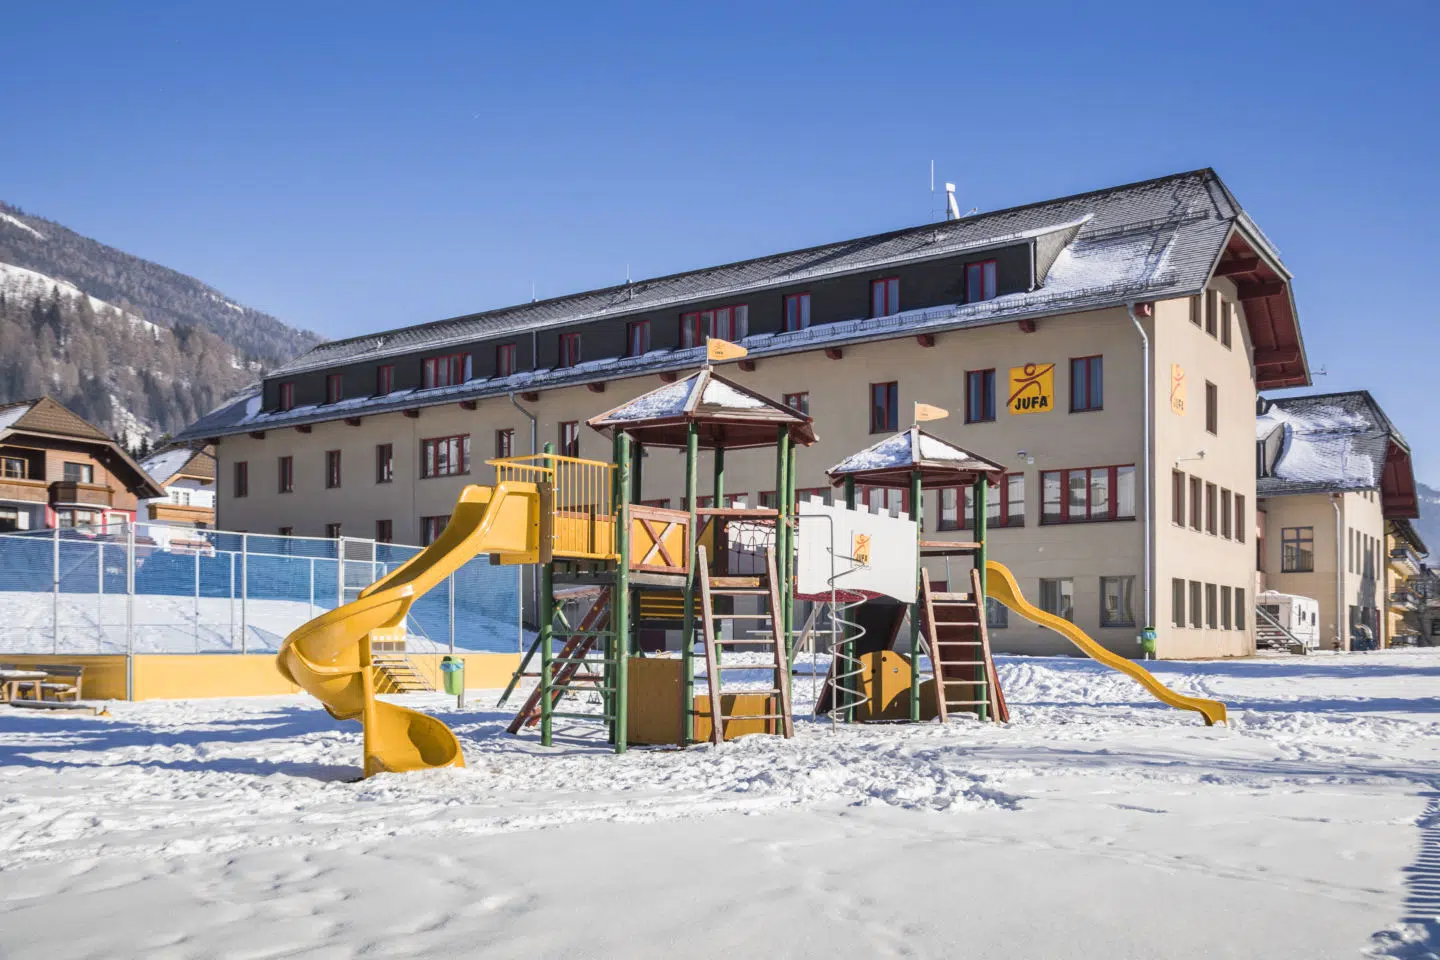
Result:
{"points": [[1140, 402]]}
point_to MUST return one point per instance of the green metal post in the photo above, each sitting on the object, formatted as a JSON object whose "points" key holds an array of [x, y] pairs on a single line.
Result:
{"points": [[620, 599], [687, 635], [847, 712], [982, 522], [637, 471], [787, 594], [782, 485], [547, 632], [719, 500], [917, 514]]}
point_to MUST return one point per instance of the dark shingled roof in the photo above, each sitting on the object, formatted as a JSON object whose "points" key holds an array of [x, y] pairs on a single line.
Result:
{"points": [[1143, 241], [1333, 443]]}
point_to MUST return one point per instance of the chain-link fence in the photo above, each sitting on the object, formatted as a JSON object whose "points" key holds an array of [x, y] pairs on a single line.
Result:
{"points": [[154, 588]]}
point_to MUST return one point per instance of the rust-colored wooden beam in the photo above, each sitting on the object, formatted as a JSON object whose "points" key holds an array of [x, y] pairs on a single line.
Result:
{"points": [[303, 428], [596, 387], [257, 434], [1259, 291], [747, 365], [412, 414], [834, 353], [213, 441], [530, 396], [925, 339], [1229, 268], [1277, 357], [1026, 325], [467, 404], [669, 376], [352, 421]]}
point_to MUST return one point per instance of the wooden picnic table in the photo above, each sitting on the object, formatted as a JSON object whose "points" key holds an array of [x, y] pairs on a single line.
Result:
{"points": [[12, 680]]}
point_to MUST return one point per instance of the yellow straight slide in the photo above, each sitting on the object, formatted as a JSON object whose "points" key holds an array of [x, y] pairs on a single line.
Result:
{"points": [[1000, 584], [330, 656]]}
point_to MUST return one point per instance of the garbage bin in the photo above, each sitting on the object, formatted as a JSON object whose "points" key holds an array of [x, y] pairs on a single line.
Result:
{"points": [[1147, 642], [452, 671]]}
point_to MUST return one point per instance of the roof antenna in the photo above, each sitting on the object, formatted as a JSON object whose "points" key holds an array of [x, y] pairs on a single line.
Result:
{"points": [[952, 209], [532, 291]]}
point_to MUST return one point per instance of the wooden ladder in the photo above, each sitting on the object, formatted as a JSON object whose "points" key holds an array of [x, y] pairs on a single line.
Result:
{"points": [[712, 587], [959, 643], [566, 663], [396, 674]]}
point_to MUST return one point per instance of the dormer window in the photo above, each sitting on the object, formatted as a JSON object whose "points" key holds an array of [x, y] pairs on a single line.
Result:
{"points": [[505, 360], [637, 338], [334, 388], [287, 395], [885, 297], [725, 323], [445, 371], [384, 379], [569, 349], [797, 312], [980, 281]]}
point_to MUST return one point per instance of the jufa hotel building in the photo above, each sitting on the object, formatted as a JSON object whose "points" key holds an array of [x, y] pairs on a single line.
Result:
{"points": [[1107, 347]]}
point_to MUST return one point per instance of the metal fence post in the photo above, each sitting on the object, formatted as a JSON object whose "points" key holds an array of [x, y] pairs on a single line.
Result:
{"points": [[100, 598], [130, 611], [55, 595], [450, 585], [311, 595], [519, 609], [339, 572], [197, 600], [244, 590]]}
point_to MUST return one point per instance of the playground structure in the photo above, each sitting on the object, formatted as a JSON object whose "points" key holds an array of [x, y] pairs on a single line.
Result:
{"points": [[727, 578]]}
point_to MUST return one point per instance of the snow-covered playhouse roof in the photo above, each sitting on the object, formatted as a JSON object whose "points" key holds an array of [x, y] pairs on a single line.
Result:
{"points": [[1330, 443], [889, 463], [727, 414]]}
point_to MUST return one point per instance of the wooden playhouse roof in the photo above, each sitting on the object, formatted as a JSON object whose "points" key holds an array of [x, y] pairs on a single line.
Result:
{"points": [[728, 415], [889, 462]]}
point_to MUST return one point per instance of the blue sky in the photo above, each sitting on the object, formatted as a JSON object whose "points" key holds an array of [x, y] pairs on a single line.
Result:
{"points": [[349, 167]]}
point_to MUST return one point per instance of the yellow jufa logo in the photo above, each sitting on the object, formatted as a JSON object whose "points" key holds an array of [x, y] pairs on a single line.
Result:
{"points": [[1032, 388], [862, 549], [1177, 389]]}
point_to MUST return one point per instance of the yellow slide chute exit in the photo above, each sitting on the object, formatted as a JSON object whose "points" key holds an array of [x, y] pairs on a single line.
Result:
{"points": [[329, 657], [1000, 584]]}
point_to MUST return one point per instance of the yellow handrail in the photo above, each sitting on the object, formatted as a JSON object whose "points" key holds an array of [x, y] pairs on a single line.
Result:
{"points": [[581, 504]]}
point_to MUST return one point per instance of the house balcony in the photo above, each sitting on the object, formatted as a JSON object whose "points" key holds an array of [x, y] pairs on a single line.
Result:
{"points": [[1405, 563], [72, 493], [180, 513], [26, 491], [1404, 600]]}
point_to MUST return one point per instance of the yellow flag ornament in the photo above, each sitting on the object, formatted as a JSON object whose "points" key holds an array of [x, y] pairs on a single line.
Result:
{"points": [[924, 411], [723, 350]]}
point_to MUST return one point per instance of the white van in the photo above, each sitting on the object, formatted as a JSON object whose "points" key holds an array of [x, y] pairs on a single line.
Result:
{"points": [[1299, 616]]}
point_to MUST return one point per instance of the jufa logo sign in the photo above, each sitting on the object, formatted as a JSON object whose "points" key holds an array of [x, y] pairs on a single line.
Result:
{"points": [[1032, 388]]}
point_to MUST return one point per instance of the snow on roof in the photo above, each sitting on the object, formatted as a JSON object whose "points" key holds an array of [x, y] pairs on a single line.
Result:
{"points": [[667, 401], [9, 415], [890, 452], [165, 464], [1329, 442], [718, 394]]}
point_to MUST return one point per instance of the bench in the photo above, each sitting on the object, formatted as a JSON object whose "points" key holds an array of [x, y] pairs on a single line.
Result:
{"points": [[62, 681]]}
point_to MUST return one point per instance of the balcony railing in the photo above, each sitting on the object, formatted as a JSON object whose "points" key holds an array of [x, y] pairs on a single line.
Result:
{"points": [[1405, 561], [29, 491], [80, 494], [1405, 599]]}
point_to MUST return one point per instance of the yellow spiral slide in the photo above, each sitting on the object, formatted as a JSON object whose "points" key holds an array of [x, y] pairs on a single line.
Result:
{"points": [[330, 656], [1000, 584]]}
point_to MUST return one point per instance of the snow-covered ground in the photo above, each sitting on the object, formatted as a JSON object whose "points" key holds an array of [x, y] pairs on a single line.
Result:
{"points": [[1097, 824]]}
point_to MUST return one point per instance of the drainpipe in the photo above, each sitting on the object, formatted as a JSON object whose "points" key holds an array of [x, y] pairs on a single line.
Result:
{"points": [[1340, 634], [1149, 391], [534, 580]]}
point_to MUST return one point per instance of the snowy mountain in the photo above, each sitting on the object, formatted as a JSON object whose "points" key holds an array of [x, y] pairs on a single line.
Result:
{"points": [[137, 348], [1428, 526]]}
